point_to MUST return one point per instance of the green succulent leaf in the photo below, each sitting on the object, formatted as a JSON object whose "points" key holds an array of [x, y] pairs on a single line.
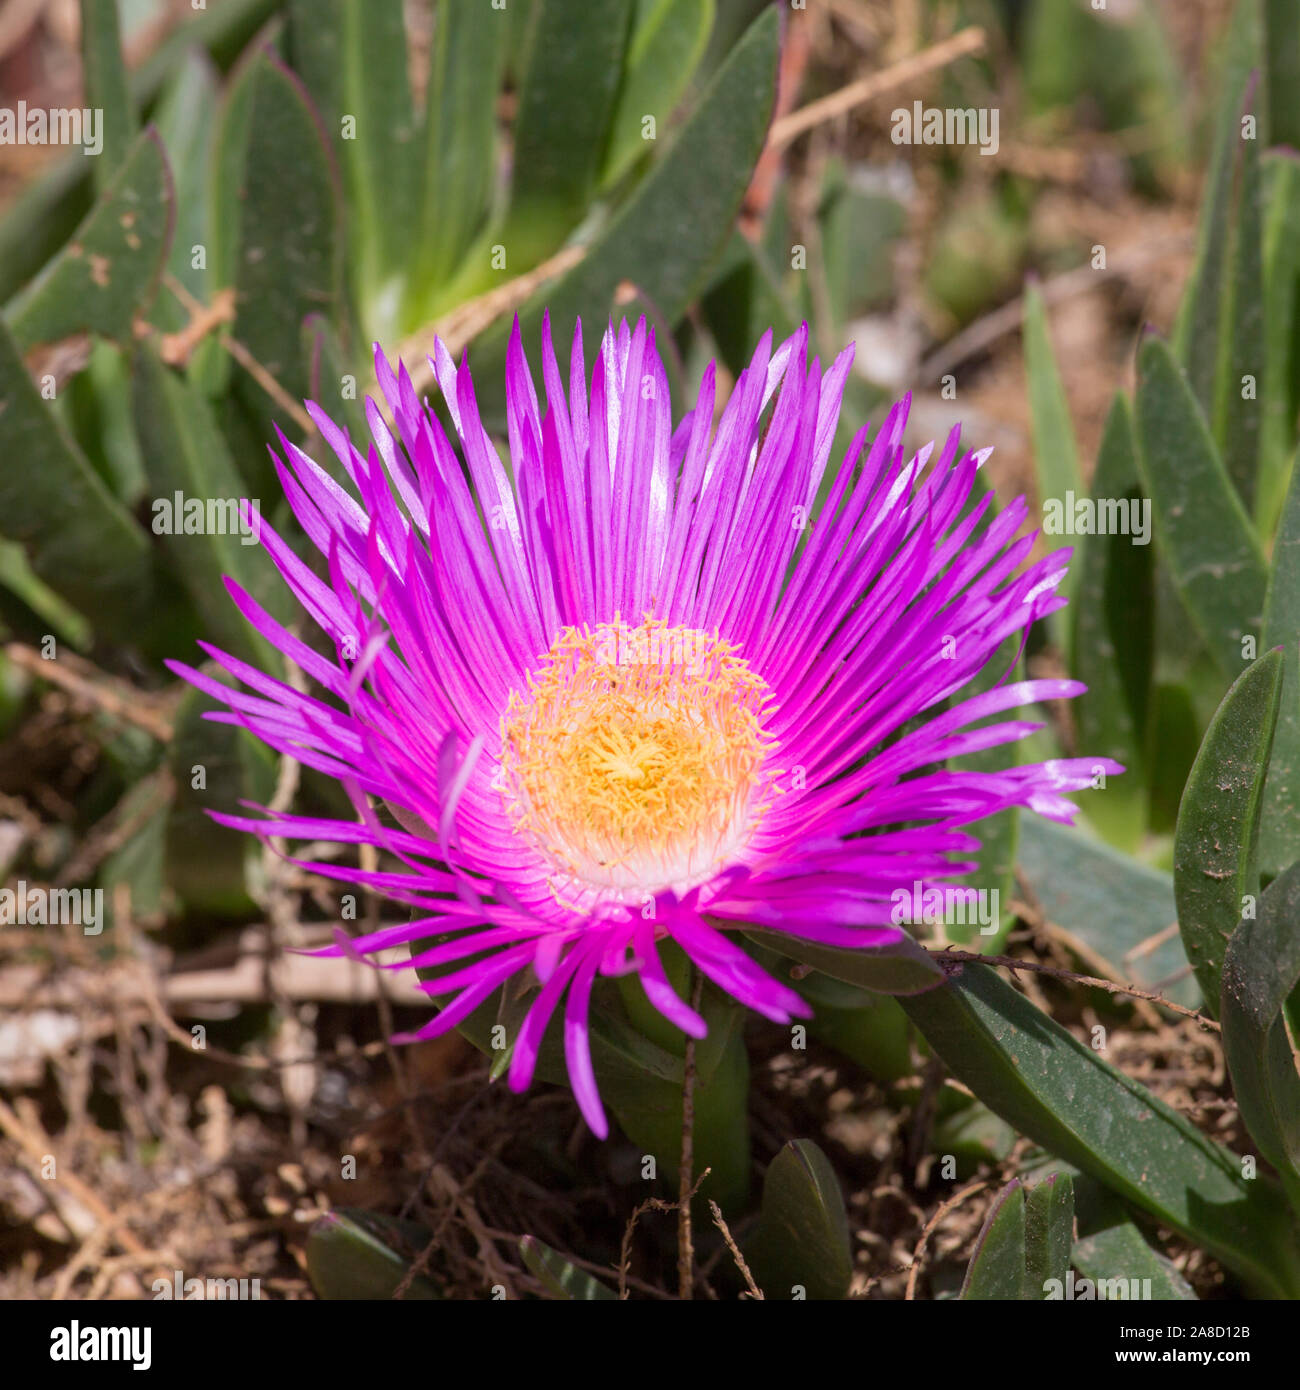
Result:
{"points": [[668, 40], [187, 121], [997, 1266], [188, 464], [566, 103], [1197, 336], [140, 863], [871, 1031], [1049, 1233], [1111, 1245], [210, 867], [1077, 880], [1056, 456], [802, 1240], [743, 300], [289, 256], [1282, 57], [352, 57], [1217, 839], [1261, 968], [30, 609], [328, 370], [1280, 830], [1280, 392], [78, 538], [902, 967], [1239, 408], [671, 229], [360, 1255], [106, 85], [1111, 636], [1025, 1242], [562, 1279], [460, 135], [106, 274], [1205, 534], [1060, 1093], [48, 211]]}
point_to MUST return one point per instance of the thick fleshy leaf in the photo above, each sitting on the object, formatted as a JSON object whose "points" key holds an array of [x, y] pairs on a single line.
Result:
{"points": [[1049, 1233], [352, 57], [970, 1132], [216, 767], [51, 207], [1174, 728], [30, 609], [1205, 534], [460, 135], [211, 366], [186, 121], [997, 1266], [222, 31], [1024, 1244], [1261, 968], [1197, 336], [1239, 408], [289, 256], [78, 538], [873, 1031], [1111, 642], [671, 229], [1063, 1095], [1077, 881], [97, 406], [1111, 1247], [562, 1279], [1282, 57], [866, 1026], [1280, 831], [360, 1255], [1280, 391], [104, 74], [900, 968], [1056, 456], [802, 1240], [575, 66], [667, 43], [197, 498], [1217, 840], [650, 1111], [140, 864], [106, 274]]}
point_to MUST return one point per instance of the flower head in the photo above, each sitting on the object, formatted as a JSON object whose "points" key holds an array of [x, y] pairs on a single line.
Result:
{"points": [[628, 692]]}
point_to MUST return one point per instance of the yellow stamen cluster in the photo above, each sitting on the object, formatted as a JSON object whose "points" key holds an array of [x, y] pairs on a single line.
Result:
{"points": [[637, 758]]}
